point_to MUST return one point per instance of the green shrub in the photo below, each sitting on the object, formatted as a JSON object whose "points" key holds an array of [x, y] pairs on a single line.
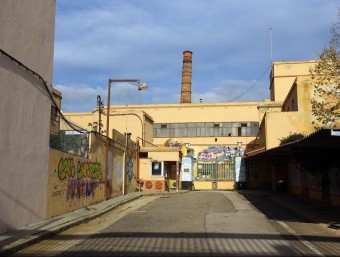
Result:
{"points": [[291, 138]]}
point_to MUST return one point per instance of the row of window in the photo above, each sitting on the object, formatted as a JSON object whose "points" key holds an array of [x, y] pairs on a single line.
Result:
{"points": [[205, 129]]}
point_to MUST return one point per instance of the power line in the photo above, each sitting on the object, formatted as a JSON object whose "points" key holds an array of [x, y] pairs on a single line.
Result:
{"points": [[252, 85], [20, 64]]}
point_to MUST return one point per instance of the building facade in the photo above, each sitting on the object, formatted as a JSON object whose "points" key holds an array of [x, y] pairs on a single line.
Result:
{"points": [[26, 59], [214, 132]]}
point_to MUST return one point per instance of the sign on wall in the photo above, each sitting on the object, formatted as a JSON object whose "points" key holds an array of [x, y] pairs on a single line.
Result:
{"points": [[240, 170]]}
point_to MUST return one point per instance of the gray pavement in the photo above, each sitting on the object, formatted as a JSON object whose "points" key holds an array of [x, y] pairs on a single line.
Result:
{"points": [[247, 232], [19, 239]]}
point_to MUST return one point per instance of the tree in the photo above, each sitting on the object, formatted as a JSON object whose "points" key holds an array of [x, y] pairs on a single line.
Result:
{"points": [[291, 138], [326, 80]]}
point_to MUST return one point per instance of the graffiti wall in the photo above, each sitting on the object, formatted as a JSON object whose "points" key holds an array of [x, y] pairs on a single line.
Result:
{"points": [[220, 153], [73, 182], [124, 168]]}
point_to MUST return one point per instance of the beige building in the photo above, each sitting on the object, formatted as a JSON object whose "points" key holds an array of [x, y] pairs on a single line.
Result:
{"points": [[289, 109], [26, 59], [216, 133]]}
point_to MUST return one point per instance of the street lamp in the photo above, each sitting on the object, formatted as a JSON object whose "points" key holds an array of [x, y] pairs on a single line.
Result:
{"points": [[141, 86], [100, 109]]}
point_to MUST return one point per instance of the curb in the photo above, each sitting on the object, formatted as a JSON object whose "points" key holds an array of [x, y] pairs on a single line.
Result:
{"points": [[29, 240]]}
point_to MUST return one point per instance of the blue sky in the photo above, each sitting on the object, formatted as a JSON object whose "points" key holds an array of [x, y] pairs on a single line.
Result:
{"points": [[144, 39]]}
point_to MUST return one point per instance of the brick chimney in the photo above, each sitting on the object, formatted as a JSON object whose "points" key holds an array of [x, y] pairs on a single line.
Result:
{"points": [[186, 77]]}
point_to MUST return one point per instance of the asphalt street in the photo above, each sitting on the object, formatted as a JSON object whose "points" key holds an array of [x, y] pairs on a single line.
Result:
{"points": [[193, 224]]}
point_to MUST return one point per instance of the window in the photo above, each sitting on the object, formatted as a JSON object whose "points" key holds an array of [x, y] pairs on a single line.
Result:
{"points": [[205, 129], [157, 169]]}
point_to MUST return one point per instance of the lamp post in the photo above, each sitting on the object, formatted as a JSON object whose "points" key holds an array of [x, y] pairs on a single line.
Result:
{"points": [[141, 86], [100, 109]]}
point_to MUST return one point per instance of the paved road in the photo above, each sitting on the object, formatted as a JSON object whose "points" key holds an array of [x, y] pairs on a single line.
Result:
{"points": [[308, 231], [191, 224]]}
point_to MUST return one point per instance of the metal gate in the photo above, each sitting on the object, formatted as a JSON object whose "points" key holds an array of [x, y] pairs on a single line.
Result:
{"points": [[213, 172]]}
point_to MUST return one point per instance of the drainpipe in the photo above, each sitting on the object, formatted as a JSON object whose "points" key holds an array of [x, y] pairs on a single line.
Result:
{"points": [[137, 161], [177, 175]]}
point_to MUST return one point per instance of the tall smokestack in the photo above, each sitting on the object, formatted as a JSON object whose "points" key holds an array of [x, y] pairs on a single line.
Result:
{"points": [[186, 77]]}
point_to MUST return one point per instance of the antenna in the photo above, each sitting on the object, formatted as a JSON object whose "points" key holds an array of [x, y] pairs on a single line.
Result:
{"points": [[271, 45]]}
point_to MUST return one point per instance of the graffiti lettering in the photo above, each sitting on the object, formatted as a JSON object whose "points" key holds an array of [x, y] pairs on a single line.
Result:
{"points": [[89, 170], [206, 157], [80, 189], [226, 153], [216, 149], [174, 145], [67, 169]]}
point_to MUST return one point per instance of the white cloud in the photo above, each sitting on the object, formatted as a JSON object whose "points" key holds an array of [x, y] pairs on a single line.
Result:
{"points": [[145, 39], [78, 98], [84, 98]]}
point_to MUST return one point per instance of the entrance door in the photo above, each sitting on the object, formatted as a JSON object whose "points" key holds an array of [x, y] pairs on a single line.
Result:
{"points": [[216, 174]]}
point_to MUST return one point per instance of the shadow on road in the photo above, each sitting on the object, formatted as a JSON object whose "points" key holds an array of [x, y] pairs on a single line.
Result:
{"points": [[180, 244], [287, 207]]}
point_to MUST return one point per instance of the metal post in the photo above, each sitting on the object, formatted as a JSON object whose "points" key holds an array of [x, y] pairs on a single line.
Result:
{"points": [[142, 86], [107, 138], [177, 175]]}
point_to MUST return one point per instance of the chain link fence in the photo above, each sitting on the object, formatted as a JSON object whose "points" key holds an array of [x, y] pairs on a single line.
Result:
{"points": [[66, 136]]}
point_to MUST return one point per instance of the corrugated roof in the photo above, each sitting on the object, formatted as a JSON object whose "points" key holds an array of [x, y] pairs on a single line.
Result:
{"points": [[323, 140]]}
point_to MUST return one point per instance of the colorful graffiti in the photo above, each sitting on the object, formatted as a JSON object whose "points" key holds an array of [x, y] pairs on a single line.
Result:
{"points": [[68, 169], [82, 178], [119, 173], [130, 168], [226, 153], [77, 189]]}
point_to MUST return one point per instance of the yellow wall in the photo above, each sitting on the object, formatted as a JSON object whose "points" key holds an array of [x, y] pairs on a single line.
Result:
{"points": [[282, 87], [283, 75], [157, 182], [73, 183], [289, 111], [291, 84], [177, 113], [197, 112], [279, 125], [138, 123]]}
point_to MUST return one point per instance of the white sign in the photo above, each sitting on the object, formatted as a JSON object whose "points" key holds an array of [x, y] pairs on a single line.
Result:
{"points": [[240, 170], [186, 169]]}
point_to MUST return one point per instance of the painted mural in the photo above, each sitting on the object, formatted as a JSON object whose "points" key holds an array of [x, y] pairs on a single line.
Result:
{"points": [[220, 153]]}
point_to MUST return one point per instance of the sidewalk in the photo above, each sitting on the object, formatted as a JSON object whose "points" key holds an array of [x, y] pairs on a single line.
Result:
{"points": [[19, 239], [310, 210]]}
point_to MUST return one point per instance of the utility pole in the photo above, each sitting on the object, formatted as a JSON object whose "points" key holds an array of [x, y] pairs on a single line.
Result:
{"points": [[100, 109]]}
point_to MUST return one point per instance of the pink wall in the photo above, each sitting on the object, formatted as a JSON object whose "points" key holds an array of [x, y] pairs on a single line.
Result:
{"points": [[27, 34]]}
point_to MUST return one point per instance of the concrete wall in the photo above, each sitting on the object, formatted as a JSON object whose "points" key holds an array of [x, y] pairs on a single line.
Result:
{"points": [[73, 182], [27, 34], [169, 155], [308, 185], [123, 165], [283, 75], [177, 113], [138, 123]]}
